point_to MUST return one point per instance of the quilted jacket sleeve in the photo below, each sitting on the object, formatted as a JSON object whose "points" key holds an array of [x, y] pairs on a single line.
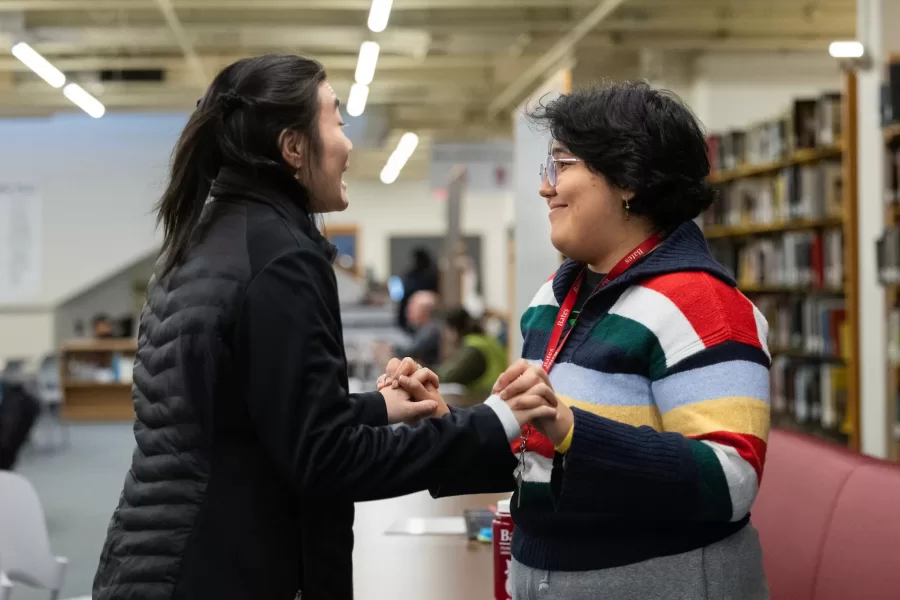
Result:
{"points": [[293, 379]]}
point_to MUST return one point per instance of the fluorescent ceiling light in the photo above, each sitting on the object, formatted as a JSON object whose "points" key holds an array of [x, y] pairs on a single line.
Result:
{"points": [[405, 147], [389, 174], [846, 49], [84, 100], [365, 65], [379, 15], [38, 64], [356, 103]]}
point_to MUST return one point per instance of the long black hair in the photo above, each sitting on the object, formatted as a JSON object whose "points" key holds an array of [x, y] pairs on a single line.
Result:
{"points": [[239, 122]]}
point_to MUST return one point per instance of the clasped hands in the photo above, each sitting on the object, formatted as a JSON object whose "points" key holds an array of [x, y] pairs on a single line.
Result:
{"points": [[411, 392]]}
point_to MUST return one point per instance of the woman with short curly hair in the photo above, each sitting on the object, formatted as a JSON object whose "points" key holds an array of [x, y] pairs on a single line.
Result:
{"points": [[641, 486]]}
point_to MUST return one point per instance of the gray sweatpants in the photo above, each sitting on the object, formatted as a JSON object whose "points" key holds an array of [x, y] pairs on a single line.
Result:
{"points": [[727, 570]]}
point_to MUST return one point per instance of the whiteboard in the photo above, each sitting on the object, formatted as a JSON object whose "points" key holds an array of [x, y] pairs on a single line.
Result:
{"points": [[20, 242]]}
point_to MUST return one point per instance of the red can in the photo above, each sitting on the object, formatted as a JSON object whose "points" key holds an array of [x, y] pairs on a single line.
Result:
{"points": [[502, 536]]}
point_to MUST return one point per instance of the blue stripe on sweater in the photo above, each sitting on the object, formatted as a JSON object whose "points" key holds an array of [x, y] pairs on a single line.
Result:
{"points": [[737, 378], [596, 387]]}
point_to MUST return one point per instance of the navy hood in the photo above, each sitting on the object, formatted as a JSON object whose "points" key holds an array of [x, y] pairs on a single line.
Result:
{"points": [[685, 249]]}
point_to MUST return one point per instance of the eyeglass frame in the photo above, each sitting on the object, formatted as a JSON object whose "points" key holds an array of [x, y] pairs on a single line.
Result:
{"points": [[549, 171]]}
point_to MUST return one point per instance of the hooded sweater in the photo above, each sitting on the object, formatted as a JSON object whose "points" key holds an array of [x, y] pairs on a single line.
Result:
{"points": [[667, 375]]}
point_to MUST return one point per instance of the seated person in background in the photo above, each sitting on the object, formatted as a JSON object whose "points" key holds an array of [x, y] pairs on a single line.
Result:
{"points": [[425, 346], [475, 360]]}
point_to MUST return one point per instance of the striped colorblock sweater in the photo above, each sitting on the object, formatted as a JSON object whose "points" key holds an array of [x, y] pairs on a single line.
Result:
{"points": [[667, 373]]}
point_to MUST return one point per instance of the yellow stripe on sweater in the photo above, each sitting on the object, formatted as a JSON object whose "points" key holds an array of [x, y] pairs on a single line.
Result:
{"points": [[736, 415], [630, 415]]}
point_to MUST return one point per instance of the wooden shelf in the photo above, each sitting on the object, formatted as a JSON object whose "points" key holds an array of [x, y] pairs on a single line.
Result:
{"points": [[781, 289], [100, 345], [83, 384], [803, 156], [713, 232], [891, 132], [788, 423], [89, 400], [808, 356]]}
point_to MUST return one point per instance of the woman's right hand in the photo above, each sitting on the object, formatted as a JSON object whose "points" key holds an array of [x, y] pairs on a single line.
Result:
{"points": [[403, 407]]}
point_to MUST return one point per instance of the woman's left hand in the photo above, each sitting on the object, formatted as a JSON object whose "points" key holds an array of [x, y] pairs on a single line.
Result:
{"points": [[397, 368], [527, 384]]}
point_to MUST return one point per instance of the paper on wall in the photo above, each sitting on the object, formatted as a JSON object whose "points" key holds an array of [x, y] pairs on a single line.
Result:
{"points": [[20, 242]]}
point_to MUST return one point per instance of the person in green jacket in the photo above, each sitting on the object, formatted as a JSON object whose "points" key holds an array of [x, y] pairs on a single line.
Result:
{"points": [[476, 360]]}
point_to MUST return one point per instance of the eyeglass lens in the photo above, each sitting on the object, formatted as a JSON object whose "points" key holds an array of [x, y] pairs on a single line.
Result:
{"points": [[548, 171]]}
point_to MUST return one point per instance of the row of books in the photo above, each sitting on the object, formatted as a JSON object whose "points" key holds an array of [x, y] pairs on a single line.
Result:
{"points": [[810, 123], [887, 255], [892, 175], [807, 259], [811, 325], [810, 393], [890, 94], [893, 337], [812, 191]]}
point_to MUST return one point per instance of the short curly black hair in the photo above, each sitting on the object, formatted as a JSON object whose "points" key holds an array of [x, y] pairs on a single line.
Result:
{"points": [[641, 139]]}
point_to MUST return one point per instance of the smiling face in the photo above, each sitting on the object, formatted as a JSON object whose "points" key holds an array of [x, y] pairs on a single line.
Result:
{"points": [[331, 189], [323, 177], [586, 211]]}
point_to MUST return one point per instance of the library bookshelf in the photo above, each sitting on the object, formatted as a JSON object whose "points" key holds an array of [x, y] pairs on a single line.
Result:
{"points": [[890, 278], [785, 224]]}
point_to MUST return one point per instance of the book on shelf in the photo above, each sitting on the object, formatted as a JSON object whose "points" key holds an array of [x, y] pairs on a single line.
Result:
{"points": [[809, 191], [892, 175], [801, 259], [809, 123], [887, 256], [805, 325], [811, 394], [814, 393]]}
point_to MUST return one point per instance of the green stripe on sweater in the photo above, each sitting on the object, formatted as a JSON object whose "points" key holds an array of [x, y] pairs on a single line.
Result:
{"points": [[714, 499], [539, 318], [634, 339]]}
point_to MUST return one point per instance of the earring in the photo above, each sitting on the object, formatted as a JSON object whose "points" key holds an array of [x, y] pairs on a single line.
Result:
{"points": [[627, 208], [297, 174]]}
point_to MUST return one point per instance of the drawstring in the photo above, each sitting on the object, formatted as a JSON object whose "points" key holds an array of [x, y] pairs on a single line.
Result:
{"points": [[545, 582]]}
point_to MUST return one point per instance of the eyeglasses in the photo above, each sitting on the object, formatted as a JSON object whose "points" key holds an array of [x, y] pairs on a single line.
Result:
{"points": [[549, 170]]}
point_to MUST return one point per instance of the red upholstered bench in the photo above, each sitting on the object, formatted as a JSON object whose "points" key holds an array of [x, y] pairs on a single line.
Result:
{"points": [[829, 522]]}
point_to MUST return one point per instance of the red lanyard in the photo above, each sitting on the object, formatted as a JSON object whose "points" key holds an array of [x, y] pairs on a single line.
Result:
{"points": [[555, 346]]}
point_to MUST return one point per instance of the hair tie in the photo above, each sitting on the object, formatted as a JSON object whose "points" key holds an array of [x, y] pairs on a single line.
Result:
{"points": [[230, 102]]}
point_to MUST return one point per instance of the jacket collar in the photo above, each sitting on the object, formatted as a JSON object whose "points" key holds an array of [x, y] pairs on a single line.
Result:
{"points": [[685, 249], [275, 189]]}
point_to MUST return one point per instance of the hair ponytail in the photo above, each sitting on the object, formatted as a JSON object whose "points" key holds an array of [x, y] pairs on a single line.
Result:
{"points": [[195, 163]]}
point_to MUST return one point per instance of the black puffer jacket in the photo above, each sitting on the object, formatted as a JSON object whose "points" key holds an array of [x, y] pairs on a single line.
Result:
{"points": [[250, 452]]}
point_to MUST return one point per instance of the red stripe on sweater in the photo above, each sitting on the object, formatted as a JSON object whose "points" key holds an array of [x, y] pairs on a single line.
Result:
{"points": [[719, 314], [537, 442], [751, 448]]}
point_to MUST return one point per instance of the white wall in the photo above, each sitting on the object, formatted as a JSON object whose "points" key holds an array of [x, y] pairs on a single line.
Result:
{"points": [[408, 208], [98, 181], [737, 90]]}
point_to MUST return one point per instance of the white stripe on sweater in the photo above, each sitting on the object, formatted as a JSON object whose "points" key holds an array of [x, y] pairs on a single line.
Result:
{"points": [[742, 482], [653, 310], [544, 296]]}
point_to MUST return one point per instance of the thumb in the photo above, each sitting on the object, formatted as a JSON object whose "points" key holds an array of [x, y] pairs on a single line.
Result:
{"points": [[418, 410], [541, 412], [414, 388]]}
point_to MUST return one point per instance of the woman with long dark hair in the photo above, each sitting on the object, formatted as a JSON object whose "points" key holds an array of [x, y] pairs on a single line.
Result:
{"points": [[641, 486], [250, 451]]}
